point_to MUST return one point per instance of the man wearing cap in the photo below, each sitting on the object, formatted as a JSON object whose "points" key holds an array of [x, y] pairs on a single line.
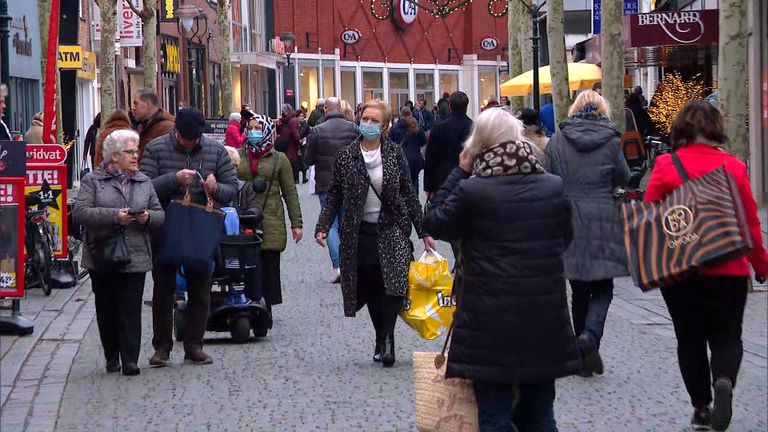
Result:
{"points": [[173, 162]]}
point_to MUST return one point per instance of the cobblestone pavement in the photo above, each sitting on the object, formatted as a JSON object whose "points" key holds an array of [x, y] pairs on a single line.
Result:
{"points": [[313, 372]]}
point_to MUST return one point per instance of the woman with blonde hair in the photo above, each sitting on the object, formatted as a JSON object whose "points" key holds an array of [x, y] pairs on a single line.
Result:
{"points": [[586, 153], [372, 182], [512, 335], [347, 111]]}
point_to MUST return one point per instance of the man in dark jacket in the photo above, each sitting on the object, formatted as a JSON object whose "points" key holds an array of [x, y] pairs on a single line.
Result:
{"points": [[323, 142], [445, 144], [174, 162], [153, 121], [423, 116], [317, 114]]}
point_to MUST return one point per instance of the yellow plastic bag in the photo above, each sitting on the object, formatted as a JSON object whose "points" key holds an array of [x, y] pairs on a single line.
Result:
{"points": [[429, 303]]}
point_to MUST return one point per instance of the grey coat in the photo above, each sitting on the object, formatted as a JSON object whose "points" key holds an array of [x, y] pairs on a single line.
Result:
{"points": [[324, 142], [96, 209], [586, 153], [164, 157]]}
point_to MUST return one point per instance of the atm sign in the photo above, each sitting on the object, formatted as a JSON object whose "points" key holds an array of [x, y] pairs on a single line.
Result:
{"points": [[70, 57]]}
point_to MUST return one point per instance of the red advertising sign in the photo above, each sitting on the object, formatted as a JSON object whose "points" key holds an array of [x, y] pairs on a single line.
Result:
{"points": [[11, 237], [53, 154], [49, 184], [673, 28]]}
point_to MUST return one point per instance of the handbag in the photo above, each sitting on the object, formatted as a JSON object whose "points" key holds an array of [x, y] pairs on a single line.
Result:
{"points": [[442, 404], [191, 234], [698, 225], [110, 252]]}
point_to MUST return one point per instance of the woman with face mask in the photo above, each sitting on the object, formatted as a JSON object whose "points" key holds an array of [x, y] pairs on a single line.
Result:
{"points": [[372, 182], [258, 158]]}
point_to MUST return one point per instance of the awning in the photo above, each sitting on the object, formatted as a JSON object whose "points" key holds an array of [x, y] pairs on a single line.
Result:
{"points": [[263, 59], [581, 76]]}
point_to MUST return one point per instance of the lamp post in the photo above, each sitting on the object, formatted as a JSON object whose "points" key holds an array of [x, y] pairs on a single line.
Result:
{"points": [[535, 38], [188, 22], [5, 33], [289, 40]]}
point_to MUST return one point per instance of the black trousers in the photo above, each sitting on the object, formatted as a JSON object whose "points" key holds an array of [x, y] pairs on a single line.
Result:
{"points": [[198, 302], [271, 287], [707, 310], [118, 313], [383, 308], [590, 301]]}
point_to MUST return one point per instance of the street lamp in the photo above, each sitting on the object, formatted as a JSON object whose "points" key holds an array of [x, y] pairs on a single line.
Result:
{"points": [[535, 38], [188, 23], [289, 41]]}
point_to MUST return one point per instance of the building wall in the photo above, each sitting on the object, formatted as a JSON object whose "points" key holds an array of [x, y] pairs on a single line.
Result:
{"points": [[25, 96]]}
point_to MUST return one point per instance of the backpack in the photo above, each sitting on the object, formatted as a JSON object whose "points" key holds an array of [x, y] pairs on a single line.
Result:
{"points": [[632, 145]]}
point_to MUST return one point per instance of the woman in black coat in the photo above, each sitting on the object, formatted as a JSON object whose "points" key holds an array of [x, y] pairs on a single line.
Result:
{"points": [[512, 332], [371, 181], [411, 138]]}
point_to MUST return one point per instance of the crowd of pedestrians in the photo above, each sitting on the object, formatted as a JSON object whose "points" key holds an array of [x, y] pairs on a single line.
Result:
{"points": [[526, 206]]}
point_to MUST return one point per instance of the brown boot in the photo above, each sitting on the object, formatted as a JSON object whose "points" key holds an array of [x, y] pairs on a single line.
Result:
{"points": [[198, 357], [159, 359]]}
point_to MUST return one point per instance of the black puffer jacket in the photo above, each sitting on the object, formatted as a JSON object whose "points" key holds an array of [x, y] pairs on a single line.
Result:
{"points": [[164, 157], [324, 142], [511, 322]]}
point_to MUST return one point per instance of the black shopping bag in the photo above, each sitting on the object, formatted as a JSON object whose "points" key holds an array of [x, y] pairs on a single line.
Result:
{"points": [[191, 234]]}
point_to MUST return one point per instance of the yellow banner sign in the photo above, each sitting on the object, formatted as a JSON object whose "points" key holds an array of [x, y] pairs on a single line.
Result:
{"points": [[171, 58], [88, 71], [70, 57]]}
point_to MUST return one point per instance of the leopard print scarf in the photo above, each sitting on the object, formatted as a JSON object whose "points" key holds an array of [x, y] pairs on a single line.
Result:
{"points": [[507, 158]]}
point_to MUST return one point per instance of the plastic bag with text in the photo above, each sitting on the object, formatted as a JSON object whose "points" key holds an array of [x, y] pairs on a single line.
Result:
{"points": [[429, 303]]}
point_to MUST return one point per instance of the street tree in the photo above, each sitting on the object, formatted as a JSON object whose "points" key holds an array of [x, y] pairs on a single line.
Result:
{"points": [[613, 58], [515, 14], [732, 74], [148, 16], [107, 53], [558, 62], [223, 10]]}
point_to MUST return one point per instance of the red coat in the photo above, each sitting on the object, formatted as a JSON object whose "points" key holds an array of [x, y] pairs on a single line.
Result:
{"points": [[233, 137], [699, 159], [289, 129]]}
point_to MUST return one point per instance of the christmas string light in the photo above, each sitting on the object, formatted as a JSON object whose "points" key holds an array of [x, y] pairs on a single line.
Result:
{"points": [[673, 93], [438, 8]]}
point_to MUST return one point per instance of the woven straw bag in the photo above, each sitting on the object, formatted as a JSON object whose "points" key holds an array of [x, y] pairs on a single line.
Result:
{"points": [[442, 405]]}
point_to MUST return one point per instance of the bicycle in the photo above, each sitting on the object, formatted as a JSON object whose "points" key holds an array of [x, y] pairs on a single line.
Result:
{"points": [[38, 239], [654, 147]]}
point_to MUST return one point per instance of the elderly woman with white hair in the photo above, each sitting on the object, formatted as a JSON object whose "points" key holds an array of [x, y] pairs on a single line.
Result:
{"points": [[118, 207], [233, 137], [512, 336]]}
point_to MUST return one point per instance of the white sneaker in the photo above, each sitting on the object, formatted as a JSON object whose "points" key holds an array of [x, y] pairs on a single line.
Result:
{"points": [[336, 276]]}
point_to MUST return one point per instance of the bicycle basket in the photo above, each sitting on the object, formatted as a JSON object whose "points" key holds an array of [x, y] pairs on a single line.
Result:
{"points": [[240, 252]]}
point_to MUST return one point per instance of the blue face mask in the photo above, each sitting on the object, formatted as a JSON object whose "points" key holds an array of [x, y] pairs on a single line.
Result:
{"points": [[255, 137], [369, 131]]}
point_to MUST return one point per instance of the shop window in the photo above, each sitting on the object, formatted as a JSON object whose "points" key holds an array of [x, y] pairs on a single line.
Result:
{"points": [[239, 35], [487, 86], [24, 99], [214, 83], [449, 82], [349, 86], [398, 91], [425, 87], [329, 81], [373, 84], [309, 87]]}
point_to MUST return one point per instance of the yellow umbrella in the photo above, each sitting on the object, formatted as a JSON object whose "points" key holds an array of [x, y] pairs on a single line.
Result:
{"points": [[581, 76]]}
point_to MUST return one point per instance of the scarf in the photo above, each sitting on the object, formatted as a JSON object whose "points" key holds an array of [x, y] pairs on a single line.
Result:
{"points": [[112, 169], [267, 128], [254, 157], [507, 158], [589, 112]]}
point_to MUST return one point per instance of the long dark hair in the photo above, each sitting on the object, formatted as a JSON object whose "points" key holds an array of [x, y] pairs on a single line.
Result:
{"points": [[697, 118]]}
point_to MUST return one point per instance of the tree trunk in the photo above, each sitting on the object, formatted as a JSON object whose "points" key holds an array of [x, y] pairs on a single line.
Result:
{"points": [[732, 75], [149, 30], [44, 17], [515, 58], [613, 58], [225, 54], [107, 60], [558, 62]]}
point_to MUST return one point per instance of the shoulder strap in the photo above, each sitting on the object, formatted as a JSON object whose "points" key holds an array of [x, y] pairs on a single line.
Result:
{"points": [[378, 195], [679, 166], [271, 180]]}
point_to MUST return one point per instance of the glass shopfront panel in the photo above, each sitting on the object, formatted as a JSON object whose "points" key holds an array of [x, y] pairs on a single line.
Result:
{"points": [[486, 85], [329, 81], [425, 87], [398, 90], [373, 84], [349, 86], [309, 87], [449, 81]]}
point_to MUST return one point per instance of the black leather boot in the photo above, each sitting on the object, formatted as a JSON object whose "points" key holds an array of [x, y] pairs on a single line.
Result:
{"points": [[113, 365], [388, 350], [379, 349]]}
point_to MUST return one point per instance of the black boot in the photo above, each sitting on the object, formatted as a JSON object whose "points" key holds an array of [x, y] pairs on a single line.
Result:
{"points": [[113, 365], [388, 350], [377, 352]]}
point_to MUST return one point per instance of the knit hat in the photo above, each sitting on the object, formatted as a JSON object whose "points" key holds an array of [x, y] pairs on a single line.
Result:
{"points": [[190, 123]]}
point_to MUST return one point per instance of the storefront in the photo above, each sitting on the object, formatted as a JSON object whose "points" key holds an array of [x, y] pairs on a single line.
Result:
{"points": [[24, 64], [170, 68], [410, 55]]}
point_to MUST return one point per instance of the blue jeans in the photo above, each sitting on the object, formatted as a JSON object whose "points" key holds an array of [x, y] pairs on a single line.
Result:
{"points": [[533, 412], [589, 306], [333, 234]]}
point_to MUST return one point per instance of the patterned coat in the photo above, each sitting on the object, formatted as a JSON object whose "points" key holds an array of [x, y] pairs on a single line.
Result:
{"points": [[401, 210]]}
